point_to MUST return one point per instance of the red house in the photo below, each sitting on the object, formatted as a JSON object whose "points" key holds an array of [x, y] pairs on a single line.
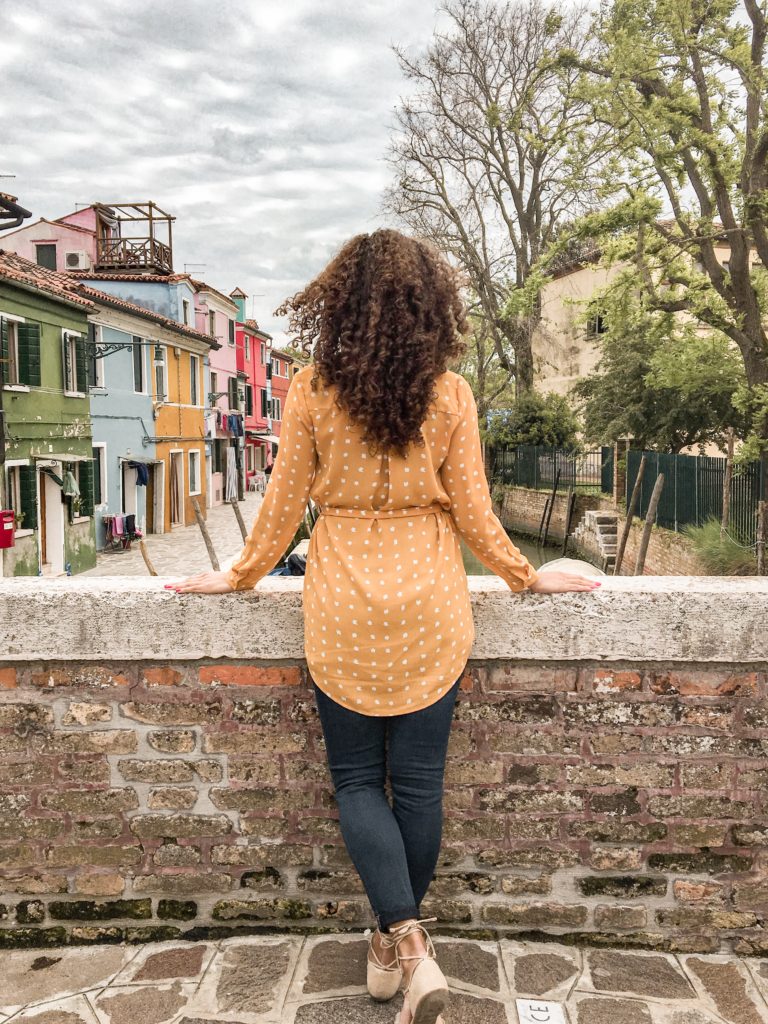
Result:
{"points": [[253, 360]]}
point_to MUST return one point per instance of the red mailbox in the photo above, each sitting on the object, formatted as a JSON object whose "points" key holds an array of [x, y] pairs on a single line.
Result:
{"points": [[7, 528]]}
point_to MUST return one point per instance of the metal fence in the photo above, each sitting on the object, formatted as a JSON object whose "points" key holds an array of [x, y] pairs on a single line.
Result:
{"points": [[693, 491], [539, 467]]}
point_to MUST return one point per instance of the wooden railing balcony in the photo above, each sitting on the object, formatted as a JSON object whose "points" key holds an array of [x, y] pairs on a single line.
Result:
{"points": [[140, 253]]}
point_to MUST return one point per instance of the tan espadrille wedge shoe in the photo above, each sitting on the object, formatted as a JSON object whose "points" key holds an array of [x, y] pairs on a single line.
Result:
{"points": [[383, 980], [427, 990]]}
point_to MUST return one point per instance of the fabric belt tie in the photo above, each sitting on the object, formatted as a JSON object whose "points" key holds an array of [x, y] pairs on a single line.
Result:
{"points": [[382, 513]]}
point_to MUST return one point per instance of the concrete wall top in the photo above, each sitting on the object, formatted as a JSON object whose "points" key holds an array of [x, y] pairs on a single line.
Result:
{"points": [[641, 619]]}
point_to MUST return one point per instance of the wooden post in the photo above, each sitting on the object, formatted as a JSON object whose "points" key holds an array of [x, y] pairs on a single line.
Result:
{"points": [[239, 518], [727, 485], [570, 504], [206, 536], [761, 528], [147, 559], [543, 517], [551, 505], [630, 516], [649, 520]]}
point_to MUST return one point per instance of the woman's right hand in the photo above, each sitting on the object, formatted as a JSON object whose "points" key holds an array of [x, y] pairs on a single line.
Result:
{"points": [[562, 583]]}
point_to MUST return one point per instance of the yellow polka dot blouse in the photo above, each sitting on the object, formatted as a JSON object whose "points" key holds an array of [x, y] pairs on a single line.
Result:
{"points": [[387, 617]]}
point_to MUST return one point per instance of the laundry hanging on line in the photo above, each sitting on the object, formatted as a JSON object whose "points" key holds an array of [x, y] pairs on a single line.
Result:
{"points": [[142, 473]]}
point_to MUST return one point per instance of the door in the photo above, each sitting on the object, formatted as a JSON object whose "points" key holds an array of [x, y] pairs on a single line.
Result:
{"points": [[177, 489], [42, 491], [150, 500]]}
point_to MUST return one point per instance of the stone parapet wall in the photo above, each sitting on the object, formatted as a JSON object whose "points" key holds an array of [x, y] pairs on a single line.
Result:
{"points": [[163, 772]]}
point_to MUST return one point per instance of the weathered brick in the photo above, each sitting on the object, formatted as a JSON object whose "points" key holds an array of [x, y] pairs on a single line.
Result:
{"points": [[16, 855], [623, 886], [169, 712], [688, 891], [99, 910], [751, 895], [262, 856], [108, 741], [99, 884], [274, 800], [95, 856], [470, 773], [267, 878], [453, 911], [701, 918], [97, 828], [706, 682], [35, 882], [445, 884], [522, 885], [620, 917], [254, 741], [158, 826], [704, 834], [534, 915], [615, 858], [623, 803], [91, 801], [250, 675], [25, 718], [155, 771], [698, 863], [337, 883], [172, 741], [514, 709], [550, 857], [86, 713], [170, 798], [264, 770], [84, 769], [660, 776], [81, 676], [530, 801], [524, 741], [176, 910], [30, 912], [618, 712], [7, 678], [160, 675], [609, 680], [26, 773], [508, 676], [490, 826], [27, 827], [533, 774], [345, 911], [174, 855], [693, 806], [753, 834], [269, 910], [256, 712], [188, 883]]}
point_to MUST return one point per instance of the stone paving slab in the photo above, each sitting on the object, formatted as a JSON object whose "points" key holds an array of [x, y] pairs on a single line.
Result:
{"points": [[266, 979]]}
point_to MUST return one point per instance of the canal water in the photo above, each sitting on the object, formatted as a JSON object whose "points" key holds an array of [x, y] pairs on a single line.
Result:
{"points": [[535, 554]]}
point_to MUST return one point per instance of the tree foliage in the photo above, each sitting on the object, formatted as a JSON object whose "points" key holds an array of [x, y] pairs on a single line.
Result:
{"points": [[535, 419], [492, 150]]}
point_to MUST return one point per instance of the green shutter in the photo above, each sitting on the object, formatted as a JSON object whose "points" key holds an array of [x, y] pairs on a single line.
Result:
{"points": [[85, 482], [28, 496], [4, 350], [81, 366], [29, 353]]}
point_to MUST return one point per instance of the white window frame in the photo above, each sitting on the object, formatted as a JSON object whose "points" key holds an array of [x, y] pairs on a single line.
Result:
{"points": [[163, 364], [194, 394], [10, 465], [212, 323], [193, 459], [102, 446], [277, 409], [99, 360], [185, 311], [70, 338], [137, 339], [11, 318]]}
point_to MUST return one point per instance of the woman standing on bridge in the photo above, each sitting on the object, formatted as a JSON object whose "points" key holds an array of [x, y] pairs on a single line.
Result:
{"points": [[385, 439]]}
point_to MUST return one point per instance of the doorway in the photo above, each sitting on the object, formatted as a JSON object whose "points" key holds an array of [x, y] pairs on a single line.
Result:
{"points": [[177, 488], [51, 523]]}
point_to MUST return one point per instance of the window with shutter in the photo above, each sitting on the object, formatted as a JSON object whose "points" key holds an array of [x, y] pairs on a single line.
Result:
{"points": [[28, 497], [28, 345], [85, 483], [81, 366], [69, 361]]}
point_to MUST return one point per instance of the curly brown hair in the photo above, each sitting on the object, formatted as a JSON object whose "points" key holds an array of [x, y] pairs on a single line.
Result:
{"points": [[383, 320]]}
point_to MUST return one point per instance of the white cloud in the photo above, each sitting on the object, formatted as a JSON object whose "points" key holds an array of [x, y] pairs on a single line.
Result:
{"points": [[261, 126]]}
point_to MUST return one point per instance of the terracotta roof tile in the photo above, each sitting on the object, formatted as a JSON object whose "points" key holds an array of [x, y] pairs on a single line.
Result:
{"points": [[17, 270], [104, 298]]}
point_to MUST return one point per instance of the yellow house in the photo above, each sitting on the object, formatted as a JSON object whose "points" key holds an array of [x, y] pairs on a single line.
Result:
{"points": [[178, 408]]}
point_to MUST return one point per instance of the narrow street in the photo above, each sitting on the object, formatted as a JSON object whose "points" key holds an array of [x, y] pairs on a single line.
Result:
{"points": [[183, 551]]}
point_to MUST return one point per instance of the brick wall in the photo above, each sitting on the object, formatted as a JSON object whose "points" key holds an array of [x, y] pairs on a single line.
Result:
{"points": [[522, 509], [616, 797], [669, 553]]}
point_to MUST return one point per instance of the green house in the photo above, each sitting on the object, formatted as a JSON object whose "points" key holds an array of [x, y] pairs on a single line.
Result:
{"points": [[46, 451]]}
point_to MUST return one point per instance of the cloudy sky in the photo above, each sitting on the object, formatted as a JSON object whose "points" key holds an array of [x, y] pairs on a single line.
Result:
{"points": [[260, 125]]}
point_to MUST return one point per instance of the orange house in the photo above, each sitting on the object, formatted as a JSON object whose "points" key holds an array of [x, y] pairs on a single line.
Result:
{"points": [[179, 400]]}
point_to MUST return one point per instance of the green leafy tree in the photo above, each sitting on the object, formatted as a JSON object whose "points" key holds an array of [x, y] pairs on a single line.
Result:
{"points": [[680, 88], [535, 419]]}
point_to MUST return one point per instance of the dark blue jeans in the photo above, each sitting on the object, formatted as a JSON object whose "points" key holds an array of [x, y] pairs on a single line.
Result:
{"points": [[393, 848]]}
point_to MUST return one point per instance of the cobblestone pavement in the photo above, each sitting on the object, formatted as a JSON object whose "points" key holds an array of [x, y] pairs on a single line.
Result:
{"points": [[183, 552], [321, 980]]}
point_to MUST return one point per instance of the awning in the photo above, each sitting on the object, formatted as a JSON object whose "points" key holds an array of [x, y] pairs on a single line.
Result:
{"points": [[138, 458], [266, 437]]}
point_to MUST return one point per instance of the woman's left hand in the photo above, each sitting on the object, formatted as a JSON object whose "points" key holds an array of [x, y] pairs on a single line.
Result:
{"points": [[202, 583]]}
